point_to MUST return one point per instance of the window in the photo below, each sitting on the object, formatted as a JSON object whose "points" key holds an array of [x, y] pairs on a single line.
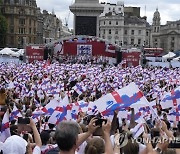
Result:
{"points": [[139, 32], [21, 21], [109, 9], [109, 22], [132, 41], [11, 21], [125, 32], [30, 31], [104, 23], [147, 34], [116, 31], [125, 42], [29, 39], [104, 31], [21, 30], [34, 40], [154, 29], [132, 32], [22, 11], [139, 41], [172, 38], [157, 29], [34, 30], [109, 31], [11, 29], [30, 22], [116, 22]]}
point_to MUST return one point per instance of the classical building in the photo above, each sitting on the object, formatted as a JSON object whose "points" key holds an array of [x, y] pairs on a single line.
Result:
{"points": [[86, 17], [21, 16], [28, 25], [52, 27], [170, 36], [165, 36], [111, 23], [123, 25], [155, 29]]}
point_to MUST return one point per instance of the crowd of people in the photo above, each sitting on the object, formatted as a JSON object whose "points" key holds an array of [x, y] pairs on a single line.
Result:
{"points": [[32, 86]]}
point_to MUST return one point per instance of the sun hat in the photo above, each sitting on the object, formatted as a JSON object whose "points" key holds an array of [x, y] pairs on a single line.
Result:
{"points": [[14, 145]]}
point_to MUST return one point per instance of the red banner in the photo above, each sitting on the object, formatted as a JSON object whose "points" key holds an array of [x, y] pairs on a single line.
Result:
{"points": [[34, 53], [131, 58]]}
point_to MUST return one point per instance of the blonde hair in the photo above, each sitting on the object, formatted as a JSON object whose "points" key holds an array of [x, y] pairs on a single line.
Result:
{"points": [[95, 146]]}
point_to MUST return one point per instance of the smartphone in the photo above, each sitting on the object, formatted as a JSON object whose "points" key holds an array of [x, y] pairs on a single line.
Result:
{"points": [[23, 120], [24, 128], [25, 136], [100, 121], [175, 129]]}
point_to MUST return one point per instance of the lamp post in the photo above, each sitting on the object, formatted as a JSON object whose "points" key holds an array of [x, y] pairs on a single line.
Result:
{"points": [[143, 58]]}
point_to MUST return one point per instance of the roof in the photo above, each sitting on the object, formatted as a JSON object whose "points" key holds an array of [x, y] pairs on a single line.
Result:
{"points": [[134, 20]]}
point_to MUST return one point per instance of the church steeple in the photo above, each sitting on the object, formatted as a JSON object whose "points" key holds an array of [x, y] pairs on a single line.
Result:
{"points": [[156, 18]]}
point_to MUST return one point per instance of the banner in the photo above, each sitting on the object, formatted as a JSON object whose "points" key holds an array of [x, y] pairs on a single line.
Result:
{"points": [[58, 48], [84, 49], [110, 48]]}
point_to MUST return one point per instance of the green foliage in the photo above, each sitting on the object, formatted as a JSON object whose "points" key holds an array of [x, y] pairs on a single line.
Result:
{"points": [[3, 30]]}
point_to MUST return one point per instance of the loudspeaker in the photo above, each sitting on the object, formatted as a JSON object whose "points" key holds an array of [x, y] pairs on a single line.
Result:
{"points": [[119, 57], [21, 57], [47, 52], [144, 61]]}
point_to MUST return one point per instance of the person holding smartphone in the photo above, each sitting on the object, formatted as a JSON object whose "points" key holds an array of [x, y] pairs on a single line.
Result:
{"points": [[17, 145]]}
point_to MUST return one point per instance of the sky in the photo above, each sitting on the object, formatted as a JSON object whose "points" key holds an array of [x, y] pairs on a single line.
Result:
{"points": [[169, 9]]}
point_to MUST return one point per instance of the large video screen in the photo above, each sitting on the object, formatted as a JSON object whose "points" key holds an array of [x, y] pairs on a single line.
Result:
{"points": [[86, 25]]}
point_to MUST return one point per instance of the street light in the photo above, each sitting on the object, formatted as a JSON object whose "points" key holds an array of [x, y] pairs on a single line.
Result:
{"points": [[143, 58]]}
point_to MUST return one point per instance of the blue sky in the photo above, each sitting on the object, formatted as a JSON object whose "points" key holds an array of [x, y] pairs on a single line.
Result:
{"points": [[169, 9]]}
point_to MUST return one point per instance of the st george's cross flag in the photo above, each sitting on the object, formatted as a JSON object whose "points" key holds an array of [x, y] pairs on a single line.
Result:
{"points": [[15, 113], [171, 99], [129, 96], [5, 127], [50, 107], [79, 89]]}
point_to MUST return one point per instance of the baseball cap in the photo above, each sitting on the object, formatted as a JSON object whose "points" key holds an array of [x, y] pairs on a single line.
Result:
{"points": [[14, 145]]}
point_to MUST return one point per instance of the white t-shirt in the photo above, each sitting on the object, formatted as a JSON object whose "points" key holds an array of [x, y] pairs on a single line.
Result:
{"points": [[81, 148], [37, 150], [1, 144]]}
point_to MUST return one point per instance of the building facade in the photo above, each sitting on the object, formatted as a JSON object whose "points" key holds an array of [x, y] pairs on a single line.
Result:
{"points": [[21, 16], [123, 26], [52, 27], [165, 36], [28, 25], [170, 36]]}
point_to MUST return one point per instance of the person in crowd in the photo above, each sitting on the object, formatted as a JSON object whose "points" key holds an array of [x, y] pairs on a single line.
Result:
{"points": [[17, 145], [27, 89]]}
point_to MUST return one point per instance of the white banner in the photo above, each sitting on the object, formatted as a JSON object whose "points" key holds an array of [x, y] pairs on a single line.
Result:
{"points": [[83, 49], [58, 48]]}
